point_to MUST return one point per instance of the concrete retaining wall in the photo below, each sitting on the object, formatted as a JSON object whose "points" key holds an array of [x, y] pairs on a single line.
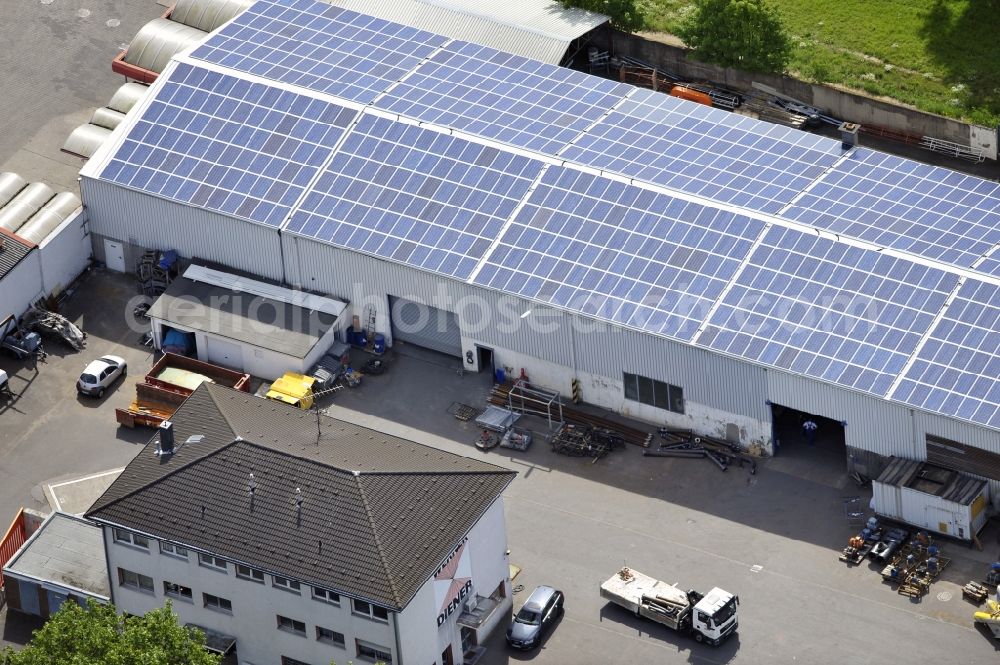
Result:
{"points": [[838, 103]]}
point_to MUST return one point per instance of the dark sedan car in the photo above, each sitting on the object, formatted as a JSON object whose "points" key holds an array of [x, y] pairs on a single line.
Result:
{"points": [[537, 616]]}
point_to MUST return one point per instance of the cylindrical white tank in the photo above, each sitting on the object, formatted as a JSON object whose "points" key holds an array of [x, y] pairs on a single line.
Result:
{"points": [[127, 96], [158, 41], [105, 117], [207, 15], [24, 205], [10, 185], [52, 214]]}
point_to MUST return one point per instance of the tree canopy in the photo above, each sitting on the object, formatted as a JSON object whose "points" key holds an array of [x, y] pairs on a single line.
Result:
{"points": [[747, 34], [625, 15], [96, 635]]}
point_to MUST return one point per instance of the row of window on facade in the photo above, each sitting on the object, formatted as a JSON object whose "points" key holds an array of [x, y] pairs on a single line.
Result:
{"points": [[653, 393], [144, 584], [358, 607]]}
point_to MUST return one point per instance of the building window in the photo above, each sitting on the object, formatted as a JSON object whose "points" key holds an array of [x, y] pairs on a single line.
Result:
{"points": [[248, 573], [374, 653], [291, 626], [217, 604], [135, 581], [213, 562], [328, 636], [286, 584], [369, 611], [177, 591], [654, 393], [285, 660], [133, 539], [326, 596], [173, 550]]}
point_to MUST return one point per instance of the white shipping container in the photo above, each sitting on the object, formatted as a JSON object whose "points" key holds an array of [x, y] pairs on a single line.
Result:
{"points": [[934, 513], [887, 500]]}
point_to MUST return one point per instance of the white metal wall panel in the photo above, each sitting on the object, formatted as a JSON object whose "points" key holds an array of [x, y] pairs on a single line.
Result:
{"points": [[707, 378], [65, 254], [21, 286], [155, 223], [935, 514], [873, 424], [887, 501], [355, 278], [948, 428]]}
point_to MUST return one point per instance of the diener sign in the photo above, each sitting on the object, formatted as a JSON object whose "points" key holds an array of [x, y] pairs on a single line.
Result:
{"points": [[453, 582]]}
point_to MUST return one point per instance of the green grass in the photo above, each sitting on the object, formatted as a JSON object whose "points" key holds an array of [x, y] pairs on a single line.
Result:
{"points": [[941, 56]]}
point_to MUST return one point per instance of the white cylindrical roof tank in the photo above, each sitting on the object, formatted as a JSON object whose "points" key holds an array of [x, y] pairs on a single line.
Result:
{"points": [[52, 214], [24, 205], [85, 140], [207, 15], [10, 185], [158, 41], [127, 96], [108, 118]]}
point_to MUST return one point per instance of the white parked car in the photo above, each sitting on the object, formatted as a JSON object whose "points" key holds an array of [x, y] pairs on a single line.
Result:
{"points": [[100, 374]]}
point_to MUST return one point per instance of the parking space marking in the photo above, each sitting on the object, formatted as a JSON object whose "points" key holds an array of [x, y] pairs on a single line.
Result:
{"points": [[93, 476]]}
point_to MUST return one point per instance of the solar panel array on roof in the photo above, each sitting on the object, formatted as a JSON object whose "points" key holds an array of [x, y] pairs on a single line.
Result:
{"points": [[320, 47], [220, 142], [614, 250], [895, 202], [415, 195], [504, 97], [957, 372], [693, 148], [653, 240], [824, 309]]}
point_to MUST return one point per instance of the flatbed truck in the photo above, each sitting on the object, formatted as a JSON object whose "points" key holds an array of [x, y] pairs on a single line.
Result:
{"points": [[710, 617]]}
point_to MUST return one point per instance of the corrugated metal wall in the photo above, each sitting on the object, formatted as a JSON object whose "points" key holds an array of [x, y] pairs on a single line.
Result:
{"points": [[22, 285], [707, 378], [872, 424], [154, 223], [927, 423], [351, 276], [65, 253]]}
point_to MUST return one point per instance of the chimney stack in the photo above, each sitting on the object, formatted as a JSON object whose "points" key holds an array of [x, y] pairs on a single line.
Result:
{"points": [[166, 438], [848, 134]]}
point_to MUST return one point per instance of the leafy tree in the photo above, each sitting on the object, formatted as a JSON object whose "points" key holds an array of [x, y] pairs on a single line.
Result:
{"points": [[625, 15], [96, 635], [747, 34]]}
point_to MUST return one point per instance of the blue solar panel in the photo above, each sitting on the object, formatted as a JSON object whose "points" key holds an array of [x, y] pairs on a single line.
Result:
{"points": [[319, 47], [827, 310], [957, 372], [504, 97], [990, 265], [415, 196], [709, 152], [616, 251], [218, 142], [900, 203]]}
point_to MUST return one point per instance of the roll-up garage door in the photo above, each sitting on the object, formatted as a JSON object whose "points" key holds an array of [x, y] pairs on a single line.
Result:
{"points": [[426, 326]]}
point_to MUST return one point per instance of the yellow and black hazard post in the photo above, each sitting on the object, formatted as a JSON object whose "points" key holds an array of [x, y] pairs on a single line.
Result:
{"points": [[576, 391]]}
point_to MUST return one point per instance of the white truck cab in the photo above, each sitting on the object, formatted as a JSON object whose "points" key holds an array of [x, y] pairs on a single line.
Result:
{"points": [[714, 616]]}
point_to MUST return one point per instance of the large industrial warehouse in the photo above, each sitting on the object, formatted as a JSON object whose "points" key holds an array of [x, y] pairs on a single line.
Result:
{"points": [[685, 265]]}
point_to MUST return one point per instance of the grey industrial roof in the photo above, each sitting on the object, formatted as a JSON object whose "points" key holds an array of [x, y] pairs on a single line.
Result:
{"points": [[66, 551], [931, 479], [537, 29], [13, 250], [244, 317], [379, 514]]}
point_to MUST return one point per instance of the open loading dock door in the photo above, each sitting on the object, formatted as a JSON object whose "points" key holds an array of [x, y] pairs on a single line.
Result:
{"points": [[791, 436], [425, 326]]}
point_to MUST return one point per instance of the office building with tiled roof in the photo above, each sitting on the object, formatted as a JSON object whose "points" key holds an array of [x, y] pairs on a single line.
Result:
{"points": [[298, 538]]}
